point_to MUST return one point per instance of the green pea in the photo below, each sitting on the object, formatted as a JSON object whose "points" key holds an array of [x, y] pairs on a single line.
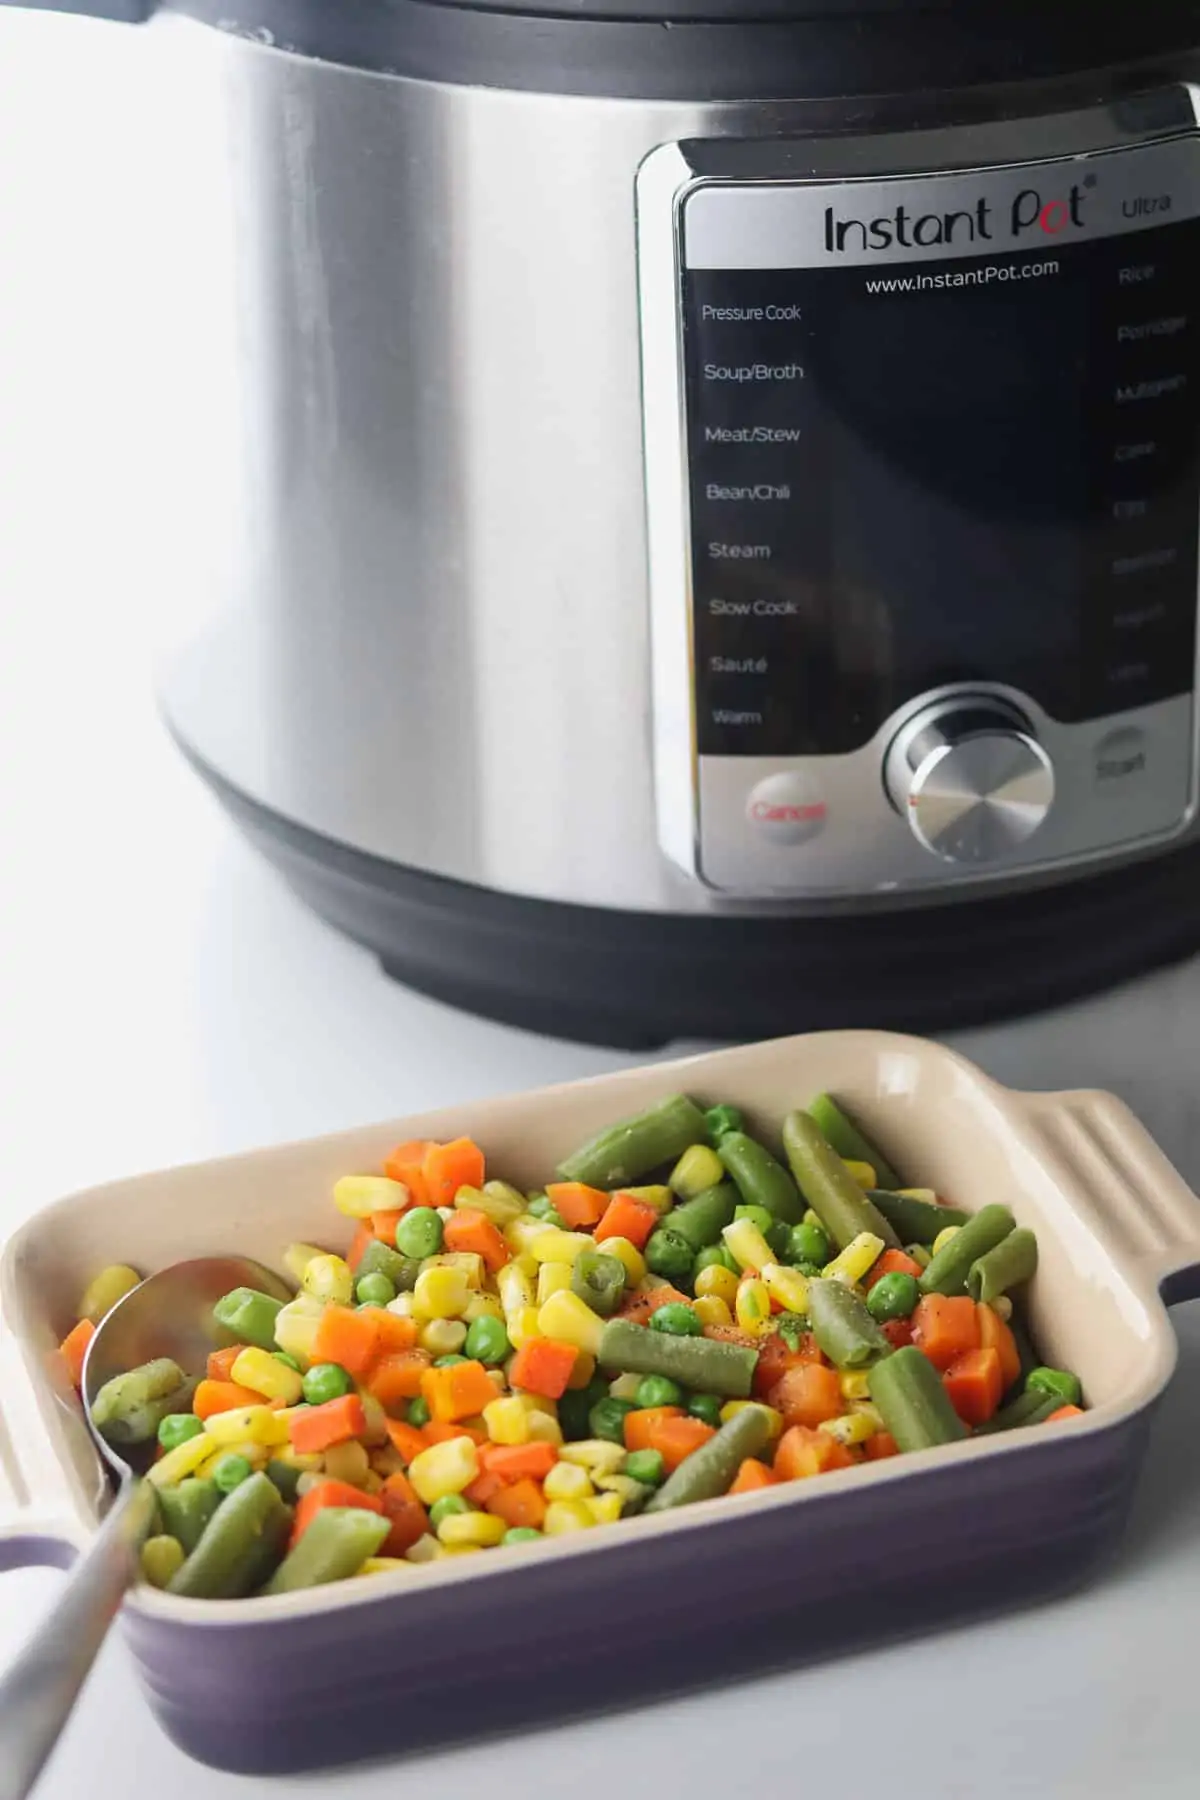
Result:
{"points": [[326, 1381], [676, 1320], [715, 1256], [420, 1232], [779, 1237], [1057, 1382], [658, 1390], [289, 1362], [808, 1244], [722, 1119], [540, 1207], [487, 1341], [669, 1255], [446, 1362], [418, 1412], [893, 1296], [230, 1471], [177, 1428], [809, 1270], [646, 1466], [520, 1534], [443, 1508], [706, 1407], [607, 1419], [375, 1290]]}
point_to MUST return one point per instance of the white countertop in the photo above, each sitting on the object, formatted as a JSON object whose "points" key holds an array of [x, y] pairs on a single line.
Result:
{"points": [[162, 998]]}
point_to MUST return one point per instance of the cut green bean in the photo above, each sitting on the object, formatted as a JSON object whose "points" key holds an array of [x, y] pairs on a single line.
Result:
{"points": [[249, 1316], [843, 1136], [130, 1408], [1012, 1262], [621, 1153], [712, 1469], [1061, 1385], [160, 1559], [187, 1509], [948, 1270], [705, 1364], [378, 1259], [915, 1221], [761, 1181], [843, 1327], [599, 1281], [1029, 1408], [335, 1546], [239, 1545], [828, 1187], [701, 1220], [912, 1402]]}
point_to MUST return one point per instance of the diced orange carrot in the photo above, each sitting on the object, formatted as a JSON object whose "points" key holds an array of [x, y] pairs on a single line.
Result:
{"points": [[347, 1336], [222, 1396], [945, 1326], [73, 1349], [974, 1384], [625, 1217], [752, 1475], [318, 1428], [1064, 1412], [641, 1425], [473, 1231], [578, 1205], [397, 1379], [396, 1333], [328, 1492], [518, 1462], [994, 1334], [879, 1445], [801, 1453], [808, 1395], [358, 1245], [675, 1439], [406, 1439], [406, 1164], [519, 1505], [892, 1262], [447, 1167], [482, 1488], [220, 1362], [457, 1391], [776, 1357], [638, 1308], [543, 1366], [402, 1508], [733, 1334], [898, 1332], [383, 1225], [440, 1432]]}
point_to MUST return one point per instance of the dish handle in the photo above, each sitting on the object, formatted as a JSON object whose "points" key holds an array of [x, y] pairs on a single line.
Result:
{"points": [[40, 1521], [1137, 1200]]}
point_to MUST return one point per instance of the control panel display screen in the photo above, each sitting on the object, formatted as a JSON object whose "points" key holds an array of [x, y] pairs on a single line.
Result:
{"points": [[917, 473]]}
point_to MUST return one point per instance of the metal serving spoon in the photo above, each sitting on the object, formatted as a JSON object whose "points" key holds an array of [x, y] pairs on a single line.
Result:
{"points": [[168, 1314]]}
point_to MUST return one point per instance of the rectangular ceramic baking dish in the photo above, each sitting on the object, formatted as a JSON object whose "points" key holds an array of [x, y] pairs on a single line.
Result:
{"points": [[593, 1620]]}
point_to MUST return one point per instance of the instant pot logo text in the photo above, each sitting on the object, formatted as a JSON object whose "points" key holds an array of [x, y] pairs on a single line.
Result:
{"points": [[1032, 218]]}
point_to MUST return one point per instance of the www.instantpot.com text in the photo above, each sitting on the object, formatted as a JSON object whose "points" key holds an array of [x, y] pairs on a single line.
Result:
{"points": [[954, 278]]}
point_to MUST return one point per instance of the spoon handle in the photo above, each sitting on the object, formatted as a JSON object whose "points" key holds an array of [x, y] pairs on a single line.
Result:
{"points": [[39, 1690]]}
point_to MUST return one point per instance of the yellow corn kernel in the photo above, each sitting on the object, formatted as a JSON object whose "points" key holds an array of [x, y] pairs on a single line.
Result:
{"points": [[711, 1311], [374, 1433], [181, 1462], [527, 1264], [440, 1294], [445, 1468], [247, 1424], [402, 1306], [754, 1307], [571, 1320], [926, 1194], [855, 1384], [697, 1169], [629, 1256], [625, 1387], [732, 1408], [944, 1237], [717, 1283], [462, 1549], [515, 1288], [498, 1379], [358, 1196], [482, 1306], [553, 1277], [348, 1462], [567, 1481], [624, 1487], [442, 1337], [265, 1374], [384, 1565], [296, 1327], [308, 1462], [501, 1208], [852, 1263], [507, 1421], [555, 1246], [468, 1261], [563, 1516], [788, 1286], [537, 1403], [866, 1409], [328, 1278], [160, 1558], [585, 1368], [747, 1245], [597, 1455], [660, 1198], [105, 1289], [297, 1257], [851, 1428], [544, 1428], [604, 1508], [522, 1234], [425, 1550], [478, 1528], [812, 1218], [862, 1172], [522, 1326], [1002, 1307]]}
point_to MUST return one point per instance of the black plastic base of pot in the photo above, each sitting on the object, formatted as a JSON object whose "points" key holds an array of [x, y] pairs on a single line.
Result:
{"points": [[638, 981]]}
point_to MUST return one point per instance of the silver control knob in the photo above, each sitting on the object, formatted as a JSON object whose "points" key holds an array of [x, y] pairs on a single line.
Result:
{"points": [[970, 777]]}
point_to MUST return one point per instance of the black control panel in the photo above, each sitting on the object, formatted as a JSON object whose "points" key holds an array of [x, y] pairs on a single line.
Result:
{"points": [[939, 472]]}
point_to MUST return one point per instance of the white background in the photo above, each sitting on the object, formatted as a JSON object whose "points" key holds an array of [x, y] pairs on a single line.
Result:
{"points": [[162, 998]]}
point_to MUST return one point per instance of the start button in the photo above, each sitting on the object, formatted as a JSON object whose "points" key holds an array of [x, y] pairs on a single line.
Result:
{"points": [[787, 808]]}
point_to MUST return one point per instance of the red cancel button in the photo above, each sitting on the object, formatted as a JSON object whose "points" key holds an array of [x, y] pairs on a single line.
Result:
{"points": [[787, 808]]}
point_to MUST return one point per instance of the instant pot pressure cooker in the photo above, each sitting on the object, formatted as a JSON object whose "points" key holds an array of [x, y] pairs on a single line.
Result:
{"points": [[717, 546]]}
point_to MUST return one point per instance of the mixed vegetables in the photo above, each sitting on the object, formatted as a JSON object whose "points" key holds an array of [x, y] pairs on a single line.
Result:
{"points": [[678, 1315]]}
